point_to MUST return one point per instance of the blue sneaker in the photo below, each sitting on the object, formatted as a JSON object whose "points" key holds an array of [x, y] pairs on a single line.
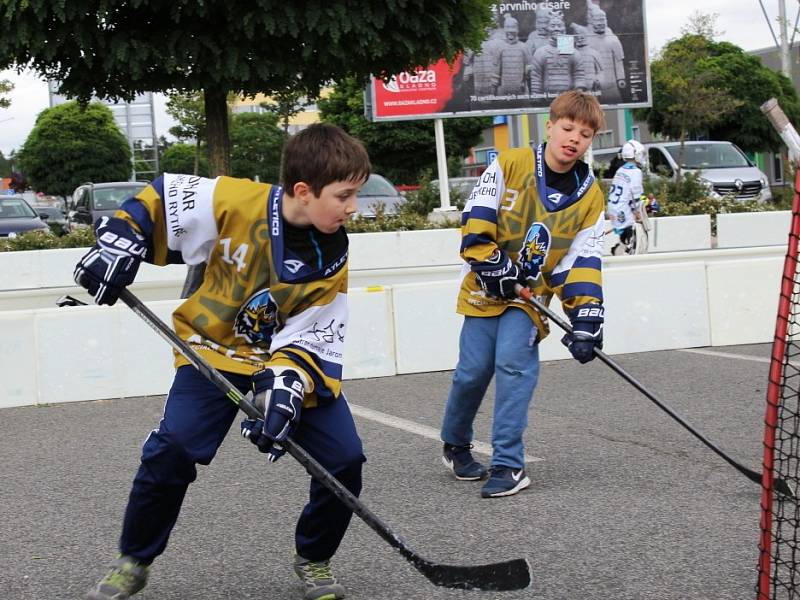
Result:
{"points": [[459, 460], [504, 481]]}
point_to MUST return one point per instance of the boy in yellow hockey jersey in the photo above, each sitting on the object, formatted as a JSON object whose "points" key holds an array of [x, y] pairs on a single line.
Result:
{"points": [[535, 218], [271, 314]]}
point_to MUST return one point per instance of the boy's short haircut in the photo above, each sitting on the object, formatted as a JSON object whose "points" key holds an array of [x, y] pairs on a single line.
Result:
{"points": [[321, 154], [578, 106]]}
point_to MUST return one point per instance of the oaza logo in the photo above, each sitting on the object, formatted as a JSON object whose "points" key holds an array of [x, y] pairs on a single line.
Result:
{"points": [[421, 79]]}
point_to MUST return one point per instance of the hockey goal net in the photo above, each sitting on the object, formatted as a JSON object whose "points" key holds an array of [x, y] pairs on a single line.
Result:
{"points": [[779, 545]]}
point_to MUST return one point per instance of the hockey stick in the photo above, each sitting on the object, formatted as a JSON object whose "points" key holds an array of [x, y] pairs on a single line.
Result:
{"points": [[499, 577], [781, 485]]}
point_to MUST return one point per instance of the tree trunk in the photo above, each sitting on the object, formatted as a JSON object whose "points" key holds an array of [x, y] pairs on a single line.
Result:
{"points": [[219, 159], [217, 137]]}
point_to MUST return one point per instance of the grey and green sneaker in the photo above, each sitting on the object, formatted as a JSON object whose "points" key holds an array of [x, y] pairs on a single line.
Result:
{"points": [[125, 577], [319, 580]]}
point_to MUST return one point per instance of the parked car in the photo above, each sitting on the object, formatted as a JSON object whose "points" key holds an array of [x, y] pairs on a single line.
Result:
{"points": [[724, 168], [91, 201], [54, 217], [377, 191], [17, 216]]}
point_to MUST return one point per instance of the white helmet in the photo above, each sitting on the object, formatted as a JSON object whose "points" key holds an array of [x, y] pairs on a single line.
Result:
{"points": [[633, 150], [639, 152], [628, 151]]}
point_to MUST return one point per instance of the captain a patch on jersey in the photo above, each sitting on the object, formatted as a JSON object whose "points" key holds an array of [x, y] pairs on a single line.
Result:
{"points": [[257, 319], [534, 250]]}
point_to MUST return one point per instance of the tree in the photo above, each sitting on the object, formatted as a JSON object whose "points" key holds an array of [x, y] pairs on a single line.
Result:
{"points": [[70, 144], [5, 87], [285, 104], [687, 98], [181, 158], [400, 150], [703, 88], [5, 166], [256, 143], [116, 48], [188, 110], [743, 76]]}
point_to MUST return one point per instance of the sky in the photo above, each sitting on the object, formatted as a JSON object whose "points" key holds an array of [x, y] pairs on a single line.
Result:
{"points": [[740, 22]]}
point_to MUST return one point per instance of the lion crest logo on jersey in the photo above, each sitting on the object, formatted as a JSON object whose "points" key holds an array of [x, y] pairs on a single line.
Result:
{"points": [[534, 250], [257, 319]]}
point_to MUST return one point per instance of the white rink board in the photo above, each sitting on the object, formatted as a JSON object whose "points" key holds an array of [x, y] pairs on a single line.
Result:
{"points": [[369, 349], [743, 296], [398, 249], [675, 234], [740, 230], [654, 302], [18, 365], [656, 308], [426, 326]]}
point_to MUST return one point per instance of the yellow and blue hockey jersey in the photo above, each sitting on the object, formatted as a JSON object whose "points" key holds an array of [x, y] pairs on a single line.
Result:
{"points": [[557, 239], [259, 304]]}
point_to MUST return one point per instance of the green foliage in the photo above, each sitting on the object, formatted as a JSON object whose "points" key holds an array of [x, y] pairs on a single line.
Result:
{"points": [[715, 90], [285, 104], [5, 166], [180, 158], [188, 110], [46, 240], [256, 143], [425, 199], [400, 150], [690, 197], [688, 98], [71, 144], [5, 87], [403, 221], [118, 47], [742, 75]]}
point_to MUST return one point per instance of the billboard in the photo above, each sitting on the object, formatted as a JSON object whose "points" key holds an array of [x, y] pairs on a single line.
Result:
{"points": [[533, 52]]}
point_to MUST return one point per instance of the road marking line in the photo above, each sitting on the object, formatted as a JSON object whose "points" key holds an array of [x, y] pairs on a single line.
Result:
{"points": [[726, 355], [423, 430]]}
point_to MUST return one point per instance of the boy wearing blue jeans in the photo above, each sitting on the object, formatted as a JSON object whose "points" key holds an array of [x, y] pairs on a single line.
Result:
{"points": [[536, 218]]}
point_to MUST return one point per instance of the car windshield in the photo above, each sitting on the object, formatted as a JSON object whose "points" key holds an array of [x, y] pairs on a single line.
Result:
{"points": [[111, 198], [15, 208], [377, 186], [50, 211], [708, 156]]}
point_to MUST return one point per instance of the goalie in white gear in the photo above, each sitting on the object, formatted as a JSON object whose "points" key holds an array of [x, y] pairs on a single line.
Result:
{"points": [[624, 196]]}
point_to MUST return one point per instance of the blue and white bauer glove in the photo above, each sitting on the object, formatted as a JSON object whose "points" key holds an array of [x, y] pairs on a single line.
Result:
{"points": [[587, 332], [278, 394], [112, 263], [498, 276]]}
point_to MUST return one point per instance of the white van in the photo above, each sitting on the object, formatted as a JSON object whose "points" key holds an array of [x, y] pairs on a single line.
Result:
{"points": [[724, 167]]}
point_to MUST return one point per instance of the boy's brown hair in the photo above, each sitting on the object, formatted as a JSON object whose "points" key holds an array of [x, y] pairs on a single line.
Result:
{"points": [[322, 154], [578, 106]]}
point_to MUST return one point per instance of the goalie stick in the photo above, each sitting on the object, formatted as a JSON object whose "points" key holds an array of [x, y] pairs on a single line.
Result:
{"points": [[502, 576], [781, 486]]}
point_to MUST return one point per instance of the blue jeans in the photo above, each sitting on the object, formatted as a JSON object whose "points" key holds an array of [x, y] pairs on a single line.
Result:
{"points": [[197, 416], [502, 347]]}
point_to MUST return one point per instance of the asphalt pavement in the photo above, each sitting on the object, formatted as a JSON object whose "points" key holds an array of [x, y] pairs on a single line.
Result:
{"points": [[625, 503]]}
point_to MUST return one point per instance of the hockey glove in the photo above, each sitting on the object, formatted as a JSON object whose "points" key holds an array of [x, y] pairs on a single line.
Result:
{"points": [[278, 393], [498, 276], [587, 332], [112, 263]]}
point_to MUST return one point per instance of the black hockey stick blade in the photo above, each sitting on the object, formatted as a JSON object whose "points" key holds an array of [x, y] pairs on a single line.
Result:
{"points": [[502, 576], [67, 300], [499, 577], [778, 484]]}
